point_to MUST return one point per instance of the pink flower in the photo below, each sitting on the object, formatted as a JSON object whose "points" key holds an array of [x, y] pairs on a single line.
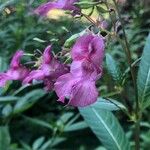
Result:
{"points": [[49, 70], [16, 70], [90, 47], [79, 86], [60, 4]]}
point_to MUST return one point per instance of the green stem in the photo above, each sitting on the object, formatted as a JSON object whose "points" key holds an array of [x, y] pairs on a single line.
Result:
{"points": [[133, 65], [137, 133], [94, 23], [126, 102], [111, 94], [128, 54]]}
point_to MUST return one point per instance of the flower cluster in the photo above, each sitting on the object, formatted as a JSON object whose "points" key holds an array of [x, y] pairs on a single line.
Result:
{"points": [[79, 84], [75, 82], [49, 70]]}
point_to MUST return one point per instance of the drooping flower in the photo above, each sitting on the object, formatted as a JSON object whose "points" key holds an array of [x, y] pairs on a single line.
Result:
{"points": [[49, 70], [60, 4], [79, 86], [16, 70]]}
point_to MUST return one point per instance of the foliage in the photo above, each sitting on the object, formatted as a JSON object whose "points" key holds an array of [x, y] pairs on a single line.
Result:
{"points": [[32, 119]]}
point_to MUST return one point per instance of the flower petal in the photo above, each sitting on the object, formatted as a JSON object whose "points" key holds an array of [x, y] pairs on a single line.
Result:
{"points": [[83, 94], [45, 8], [96, 49], [85, 70], [15, 62], [35, 74], [60, 4], [90, 47], [47, 55], [49, 85], [68, 4], [18, 74], [80, 49], [3, 79], [63, 86]]}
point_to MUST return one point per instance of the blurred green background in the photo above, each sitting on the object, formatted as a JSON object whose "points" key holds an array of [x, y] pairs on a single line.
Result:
{"points": [[31, 119]]}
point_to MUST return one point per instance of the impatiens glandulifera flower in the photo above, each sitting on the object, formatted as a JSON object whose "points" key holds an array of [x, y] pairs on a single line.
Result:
{"points": [[60, 5], [49, 70], [16, 70], [79, 85]]}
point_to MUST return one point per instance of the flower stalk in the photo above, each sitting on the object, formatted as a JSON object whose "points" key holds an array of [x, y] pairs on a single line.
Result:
{"points": [[128, 54]]}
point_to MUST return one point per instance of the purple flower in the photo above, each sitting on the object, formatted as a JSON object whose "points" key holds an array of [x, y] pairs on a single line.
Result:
{"points": [[49, 70], [90, 47], [78, 85], [16, 70], [60, 4]]}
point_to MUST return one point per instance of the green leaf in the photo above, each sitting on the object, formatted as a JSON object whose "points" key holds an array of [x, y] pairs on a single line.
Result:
{"points": [[37, 144], [28, 100], [39, 122], [4, 138], [3, 67], [20, 89], [7, 110], [71, 40], [39, 40], [65, 117], [85, 4], [113, 69], [3, 64], [108, 104], [51, 143], [106, 127], [8, 99], [25, 146], [143, 81], [101, 9], [76, 126]]}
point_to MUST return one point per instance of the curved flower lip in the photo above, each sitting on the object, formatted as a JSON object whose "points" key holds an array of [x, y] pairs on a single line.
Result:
{"points": [[81, 92], [85, 69], [80, 48], [90, 47], [60, 4]]}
